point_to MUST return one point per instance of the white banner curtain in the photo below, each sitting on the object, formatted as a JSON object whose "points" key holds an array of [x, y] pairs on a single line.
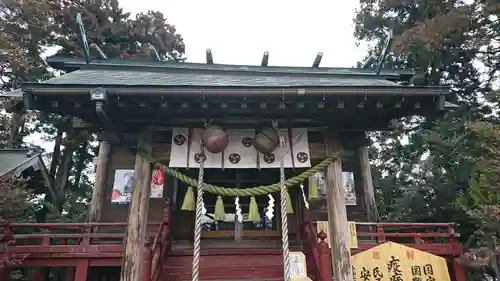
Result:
{"points": [[240, 152]]}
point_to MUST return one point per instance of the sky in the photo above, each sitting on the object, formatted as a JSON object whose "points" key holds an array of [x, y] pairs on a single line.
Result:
{"points": [[238, 32]]}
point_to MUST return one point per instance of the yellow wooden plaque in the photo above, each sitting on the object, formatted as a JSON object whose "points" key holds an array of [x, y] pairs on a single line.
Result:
{"points": [[392, 261], [351, 225], [353, 236]]}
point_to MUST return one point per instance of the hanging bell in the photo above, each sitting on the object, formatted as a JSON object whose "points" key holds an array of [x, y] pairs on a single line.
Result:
{"points": [[266, 140], [215, 139]]}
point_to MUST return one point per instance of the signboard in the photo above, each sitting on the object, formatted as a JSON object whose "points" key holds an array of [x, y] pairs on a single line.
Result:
{"points": [[122, 185], [352, 234], [298, 268], [391, 261]]}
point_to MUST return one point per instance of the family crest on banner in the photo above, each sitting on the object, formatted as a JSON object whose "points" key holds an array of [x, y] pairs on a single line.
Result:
{"points": [[240, 152]]}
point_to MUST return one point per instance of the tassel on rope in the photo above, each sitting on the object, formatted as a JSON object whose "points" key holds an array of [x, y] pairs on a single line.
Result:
{"points": [[313, 187], [253, 210], [219, 213], [188, 203], [289, 207]]}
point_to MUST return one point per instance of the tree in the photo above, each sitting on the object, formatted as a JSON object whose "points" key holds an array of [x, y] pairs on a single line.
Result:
{"points": [[16, 201], [28, 27], [424, 173]]}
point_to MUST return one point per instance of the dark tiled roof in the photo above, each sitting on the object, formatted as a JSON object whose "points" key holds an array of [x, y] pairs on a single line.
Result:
{"points": [[171, 77], [65, 63], [16, 160]]}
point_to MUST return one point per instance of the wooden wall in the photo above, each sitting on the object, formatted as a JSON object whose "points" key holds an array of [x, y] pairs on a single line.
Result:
{"points": [[121, 158]]}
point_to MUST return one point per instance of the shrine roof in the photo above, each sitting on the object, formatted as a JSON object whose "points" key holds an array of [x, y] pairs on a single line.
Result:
{"points": [[166, 74], [18, 160]]}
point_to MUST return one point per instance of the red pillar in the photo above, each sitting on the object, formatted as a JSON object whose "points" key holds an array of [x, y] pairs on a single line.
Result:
{"points": [[458, 271], [148, 261], [82, 269], [70, 273], [325, 262], [3, 272]]}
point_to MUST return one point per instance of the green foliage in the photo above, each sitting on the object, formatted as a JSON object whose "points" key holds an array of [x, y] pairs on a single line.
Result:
{"points": [[27, 28], [16, 201], [425, 177]]}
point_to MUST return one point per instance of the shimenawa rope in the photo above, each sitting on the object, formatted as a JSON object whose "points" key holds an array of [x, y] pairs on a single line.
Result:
{"points": [[284, 215], [197, 224]]}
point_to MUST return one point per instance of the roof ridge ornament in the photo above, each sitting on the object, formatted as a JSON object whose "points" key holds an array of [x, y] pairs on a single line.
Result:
{"points": [[265, 59], [154, 53], [380, 59], [385, 50], [317, 60], [83, 37], [210, 58]]}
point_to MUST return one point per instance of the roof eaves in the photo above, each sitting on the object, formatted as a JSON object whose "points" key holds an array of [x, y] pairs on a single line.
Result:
{"points": [[190, 90]]}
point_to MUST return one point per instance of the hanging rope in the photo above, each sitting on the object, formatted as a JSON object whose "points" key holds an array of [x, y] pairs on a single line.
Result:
{"points": [[197, 224], [284, 214], [253, 191]]}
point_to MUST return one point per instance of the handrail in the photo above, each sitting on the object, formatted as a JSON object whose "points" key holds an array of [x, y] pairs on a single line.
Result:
{"points": [[160, 245], [437, 238], [310, 243]]}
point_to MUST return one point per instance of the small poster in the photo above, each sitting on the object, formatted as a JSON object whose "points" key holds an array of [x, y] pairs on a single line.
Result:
{"points": [[318, 180], [298, 268], [122, 185], [157, 181]]}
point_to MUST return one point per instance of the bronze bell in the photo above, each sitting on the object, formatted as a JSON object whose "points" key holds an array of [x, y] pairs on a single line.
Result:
{"points": [[266, 140], [215, 139]]}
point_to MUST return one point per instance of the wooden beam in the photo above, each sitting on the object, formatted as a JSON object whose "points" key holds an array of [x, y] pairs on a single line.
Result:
{"points": [[367, 184], [337, 213], [132, 267], [98, 193], [265, 59], [317, 60]]}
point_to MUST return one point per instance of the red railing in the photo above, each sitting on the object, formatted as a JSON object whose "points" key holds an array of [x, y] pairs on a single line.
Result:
{"points": [[310, 246], [63, 244], [160, 245], [435, 238]]}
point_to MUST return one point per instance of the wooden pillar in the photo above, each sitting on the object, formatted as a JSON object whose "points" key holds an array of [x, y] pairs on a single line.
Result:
{"points": [[367, 183], [337, 214], [3, 272], [133, 267], [98, 193]]}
